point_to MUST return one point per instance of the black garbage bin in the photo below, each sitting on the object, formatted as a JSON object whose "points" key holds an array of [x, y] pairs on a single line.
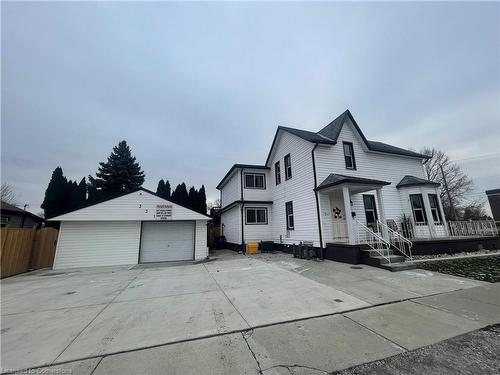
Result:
{"points": [[220, 242]]}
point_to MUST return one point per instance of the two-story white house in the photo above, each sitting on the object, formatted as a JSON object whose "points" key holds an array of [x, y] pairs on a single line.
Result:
{"points": [[333, 186]]}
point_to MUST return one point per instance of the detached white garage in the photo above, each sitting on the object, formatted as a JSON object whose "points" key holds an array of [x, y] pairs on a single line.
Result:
{"points": [[138, 227]]}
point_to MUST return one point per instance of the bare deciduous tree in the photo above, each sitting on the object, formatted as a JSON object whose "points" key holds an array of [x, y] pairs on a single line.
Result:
{"points": [[459, 184], [8, 194]]}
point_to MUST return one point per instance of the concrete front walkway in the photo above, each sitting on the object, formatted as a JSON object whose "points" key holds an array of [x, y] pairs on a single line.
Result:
{"points": [[233, 315]]}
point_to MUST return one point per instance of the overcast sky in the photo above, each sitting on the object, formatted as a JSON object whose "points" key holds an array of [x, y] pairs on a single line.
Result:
{"points": [[197, 87]]}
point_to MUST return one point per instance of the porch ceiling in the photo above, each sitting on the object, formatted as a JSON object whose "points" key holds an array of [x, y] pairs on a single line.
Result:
{"points": [[358, 183]]}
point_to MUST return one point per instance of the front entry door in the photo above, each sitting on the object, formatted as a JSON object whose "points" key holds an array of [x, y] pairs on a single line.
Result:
{"points": [[338, 217], [370, 211]]}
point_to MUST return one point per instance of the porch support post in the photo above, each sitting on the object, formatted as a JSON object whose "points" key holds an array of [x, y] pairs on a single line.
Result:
{"points": [[440, 206], [348, 214], [381, 212], [428, 213]]}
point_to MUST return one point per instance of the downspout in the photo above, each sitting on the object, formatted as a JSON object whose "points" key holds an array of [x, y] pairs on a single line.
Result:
{"points": [[242, 211], [316, 196]]}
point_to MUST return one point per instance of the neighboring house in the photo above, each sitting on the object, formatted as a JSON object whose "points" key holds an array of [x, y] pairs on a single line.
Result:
{"points": [[136, 227], [15, 217], [329, 187], [494, 199]]}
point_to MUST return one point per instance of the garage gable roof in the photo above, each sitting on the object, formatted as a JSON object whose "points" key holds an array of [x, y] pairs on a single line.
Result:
{"points": [[139, 205]]}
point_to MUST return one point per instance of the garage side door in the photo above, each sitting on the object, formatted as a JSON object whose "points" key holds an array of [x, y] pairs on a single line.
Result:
{"points": [[97, 243], [167, 241]]}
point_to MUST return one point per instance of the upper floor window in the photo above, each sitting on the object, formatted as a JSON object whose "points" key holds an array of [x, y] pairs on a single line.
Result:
{"points": [[417, 206], [350, 162], [436, 212], [289, 215], [255, 215], [277, 172], [255, 181], [288, 167], [5, 221]]}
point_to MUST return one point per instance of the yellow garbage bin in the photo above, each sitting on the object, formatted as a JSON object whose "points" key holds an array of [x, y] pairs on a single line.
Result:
{"points": [[252, 248]]}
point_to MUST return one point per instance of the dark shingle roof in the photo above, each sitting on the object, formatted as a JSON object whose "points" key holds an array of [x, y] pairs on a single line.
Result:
{"points": [[414, 181], [308, 136], [332, 130], [337, 179], [493, 191], [239, 166], [11, 208], [389, 149]]}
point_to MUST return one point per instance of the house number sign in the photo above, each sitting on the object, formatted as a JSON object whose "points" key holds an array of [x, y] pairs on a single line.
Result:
{"points": [[163, 211]]}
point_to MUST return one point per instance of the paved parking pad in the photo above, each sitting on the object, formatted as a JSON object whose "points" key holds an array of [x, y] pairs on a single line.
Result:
{"points": [[413, 325], [325, 344], [54, 316], [137, 324], [227, 354]]}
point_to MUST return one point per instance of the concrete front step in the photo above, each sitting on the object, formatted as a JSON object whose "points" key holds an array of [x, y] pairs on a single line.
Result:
{"points": [[394, 267], [374, 253], [392, 259]]}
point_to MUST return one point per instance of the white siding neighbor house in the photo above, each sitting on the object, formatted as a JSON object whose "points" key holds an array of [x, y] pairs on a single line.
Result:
{"points": [[333, 186], [137, 227]]}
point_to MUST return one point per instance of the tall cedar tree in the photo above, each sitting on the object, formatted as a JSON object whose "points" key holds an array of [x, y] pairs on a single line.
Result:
{"points": [[160, 189], [163, 189], [55, 200], [120, 174], [167, 190], [180, 194], [202, 201], [193, 199], [77, 195]]}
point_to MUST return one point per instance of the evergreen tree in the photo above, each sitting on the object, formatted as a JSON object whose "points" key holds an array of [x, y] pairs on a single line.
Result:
{"points": [[77, 195], [119, 174], [160, 190], [167, 190], [202, 201], [180, 194], [192, 198], [56, 195]]}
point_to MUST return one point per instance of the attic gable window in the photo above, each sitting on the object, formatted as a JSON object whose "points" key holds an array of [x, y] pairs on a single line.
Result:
{"points": [[350, 162], [255, 181], [288, 167]]}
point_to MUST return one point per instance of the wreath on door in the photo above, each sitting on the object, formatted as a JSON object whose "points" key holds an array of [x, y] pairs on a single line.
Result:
{"points": [[337, 213]]}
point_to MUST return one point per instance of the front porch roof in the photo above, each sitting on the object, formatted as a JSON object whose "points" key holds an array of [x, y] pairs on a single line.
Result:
{"points": [[338, 179]]}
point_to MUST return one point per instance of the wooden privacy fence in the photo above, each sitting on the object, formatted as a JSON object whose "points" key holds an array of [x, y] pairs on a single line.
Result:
{"points": [[25, 249], [213, 231]]}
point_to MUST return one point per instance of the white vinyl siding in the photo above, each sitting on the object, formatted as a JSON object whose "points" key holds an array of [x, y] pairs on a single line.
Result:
{"points": [[259, 232], [378, 166], [231, 191], [139, 205], [258, 194], [231, 224], [97, 243], [200, 238], [298, 189]]}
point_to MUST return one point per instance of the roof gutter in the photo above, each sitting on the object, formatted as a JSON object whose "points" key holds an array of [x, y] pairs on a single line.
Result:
{"points": [[316, 195]]}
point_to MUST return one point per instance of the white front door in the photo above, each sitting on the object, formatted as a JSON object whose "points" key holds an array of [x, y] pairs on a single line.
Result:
{"points": [[167, 241], [338, 217]]}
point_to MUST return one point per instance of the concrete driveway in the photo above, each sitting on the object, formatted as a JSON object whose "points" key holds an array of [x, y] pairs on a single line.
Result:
{"points": [[53, 317]]}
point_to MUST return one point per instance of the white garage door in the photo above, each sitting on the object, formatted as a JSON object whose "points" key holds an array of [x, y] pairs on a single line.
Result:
{"points": [[167, 241]]}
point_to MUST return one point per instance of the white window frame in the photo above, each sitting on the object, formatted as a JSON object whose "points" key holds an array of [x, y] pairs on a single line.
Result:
{"points": [[413, 209], [277, 172], [289, 215], [256, 216], [255, 180], [435, 211], [350, 148], [288, 168]]}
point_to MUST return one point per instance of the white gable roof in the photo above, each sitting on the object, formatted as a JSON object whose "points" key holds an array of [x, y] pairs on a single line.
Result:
{"points": [[140, 205]]}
